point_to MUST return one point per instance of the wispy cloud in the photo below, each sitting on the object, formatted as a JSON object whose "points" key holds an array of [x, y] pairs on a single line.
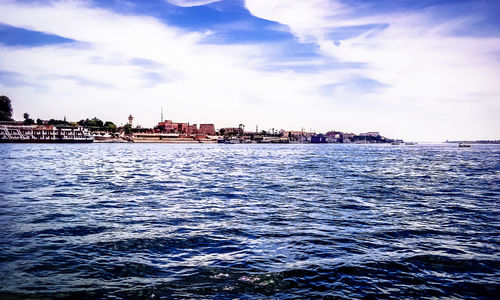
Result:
{"points": [[306, 19], [14, 79]]}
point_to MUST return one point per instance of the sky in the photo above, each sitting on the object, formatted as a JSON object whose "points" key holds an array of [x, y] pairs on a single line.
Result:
{"points": [[416, 69]]}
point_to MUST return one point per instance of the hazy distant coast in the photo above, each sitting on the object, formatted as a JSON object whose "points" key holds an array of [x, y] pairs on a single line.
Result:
{"points": [[475, 142]]}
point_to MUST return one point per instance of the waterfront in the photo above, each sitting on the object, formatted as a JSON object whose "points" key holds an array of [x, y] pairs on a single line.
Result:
{"points": [[249, 221]]}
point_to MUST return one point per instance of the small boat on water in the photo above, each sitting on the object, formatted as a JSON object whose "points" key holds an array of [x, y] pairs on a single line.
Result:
{"points": [[463, 145], [232, 140], [410, 143]]}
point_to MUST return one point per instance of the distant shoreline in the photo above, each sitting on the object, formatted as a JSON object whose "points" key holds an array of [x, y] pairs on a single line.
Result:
{"points": [[475, 142], [214, 143]]}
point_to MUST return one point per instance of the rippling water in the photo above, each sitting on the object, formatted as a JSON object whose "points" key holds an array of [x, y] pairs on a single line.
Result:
{"points": [[249, 221]]}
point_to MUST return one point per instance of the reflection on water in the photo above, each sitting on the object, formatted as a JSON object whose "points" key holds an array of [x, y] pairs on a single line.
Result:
{"points": [[223, 221]]}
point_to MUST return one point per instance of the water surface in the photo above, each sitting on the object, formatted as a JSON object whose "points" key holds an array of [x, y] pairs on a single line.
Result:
{"points": [[249, 221]]}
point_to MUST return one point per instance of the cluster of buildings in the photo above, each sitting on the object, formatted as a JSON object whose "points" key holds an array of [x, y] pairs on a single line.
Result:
{"points": [[185, 128], [168, 131], [284, 136]]}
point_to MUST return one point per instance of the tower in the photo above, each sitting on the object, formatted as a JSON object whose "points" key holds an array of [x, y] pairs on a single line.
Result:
{"points": [[130, 119]]}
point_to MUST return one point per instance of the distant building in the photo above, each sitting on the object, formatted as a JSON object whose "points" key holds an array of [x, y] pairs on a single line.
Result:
{"points": [[174, 127], [348, 137], [185, 128], [191, 129], [369, 137], [318, 139], [372, 134], [130, 119], [334, 136], [298, 136], [208, 129], [231, 130]]}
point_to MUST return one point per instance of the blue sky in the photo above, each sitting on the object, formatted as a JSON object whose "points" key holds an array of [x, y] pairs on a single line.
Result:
{"points": [[409, 69]]}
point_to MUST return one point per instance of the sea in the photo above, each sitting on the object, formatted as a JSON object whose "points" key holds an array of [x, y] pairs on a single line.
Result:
{"points": [[249, 221]]}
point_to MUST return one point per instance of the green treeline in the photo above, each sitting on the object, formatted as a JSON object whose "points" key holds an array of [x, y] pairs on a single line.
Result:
{"points": [[93, 124]]}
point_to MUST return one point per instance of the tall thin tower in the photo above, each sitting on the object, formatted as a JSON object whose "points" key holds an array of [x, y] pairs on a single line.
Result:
{"points": [[162, 120]]}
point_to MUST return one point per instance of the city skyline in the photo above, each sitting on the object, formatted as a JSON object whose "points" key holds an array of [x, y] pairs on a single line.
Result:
{"points": [[422, 70]]}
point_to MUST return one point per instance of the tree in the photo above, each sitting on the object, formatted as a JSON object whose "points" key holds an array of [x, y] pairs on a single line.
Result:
{"points": [[127, 128], [27, 119], [5, 109], [160, 128], [109, 126], [57, 122], [95, 122], [83, 122], [39, 121]]}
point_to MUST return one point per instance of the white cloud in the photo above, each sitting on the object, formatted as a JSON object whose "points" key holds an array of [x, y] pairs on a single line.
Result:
{"points": [[433, 76], [306, 19], [189, 3], [203, 83]]}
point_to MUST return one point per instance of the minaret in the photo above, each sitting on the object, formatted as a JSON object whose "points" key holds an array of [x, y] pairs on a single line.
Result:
{"points": [[130, 119], [162, 115]]}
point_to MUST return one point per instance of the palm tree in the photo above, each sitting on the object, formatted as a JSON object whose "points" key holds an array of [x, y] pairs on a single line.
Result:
{"points": [[5, 109]]}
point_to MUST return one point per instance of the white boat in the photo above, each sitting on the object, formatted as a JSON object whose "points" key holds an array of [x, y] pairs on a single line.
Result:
{"points": [[44, 134], [463, 145], [232, 140]]}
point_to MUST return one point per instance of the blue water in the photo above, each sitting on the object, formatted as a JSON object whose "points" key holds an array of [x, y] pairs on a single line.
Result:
{"points": [[249, 221]]}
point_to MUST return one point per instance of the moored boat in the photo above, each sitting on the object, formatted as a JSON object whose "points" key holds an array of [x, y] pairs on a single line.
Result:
{"points": [[44, 134]]}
